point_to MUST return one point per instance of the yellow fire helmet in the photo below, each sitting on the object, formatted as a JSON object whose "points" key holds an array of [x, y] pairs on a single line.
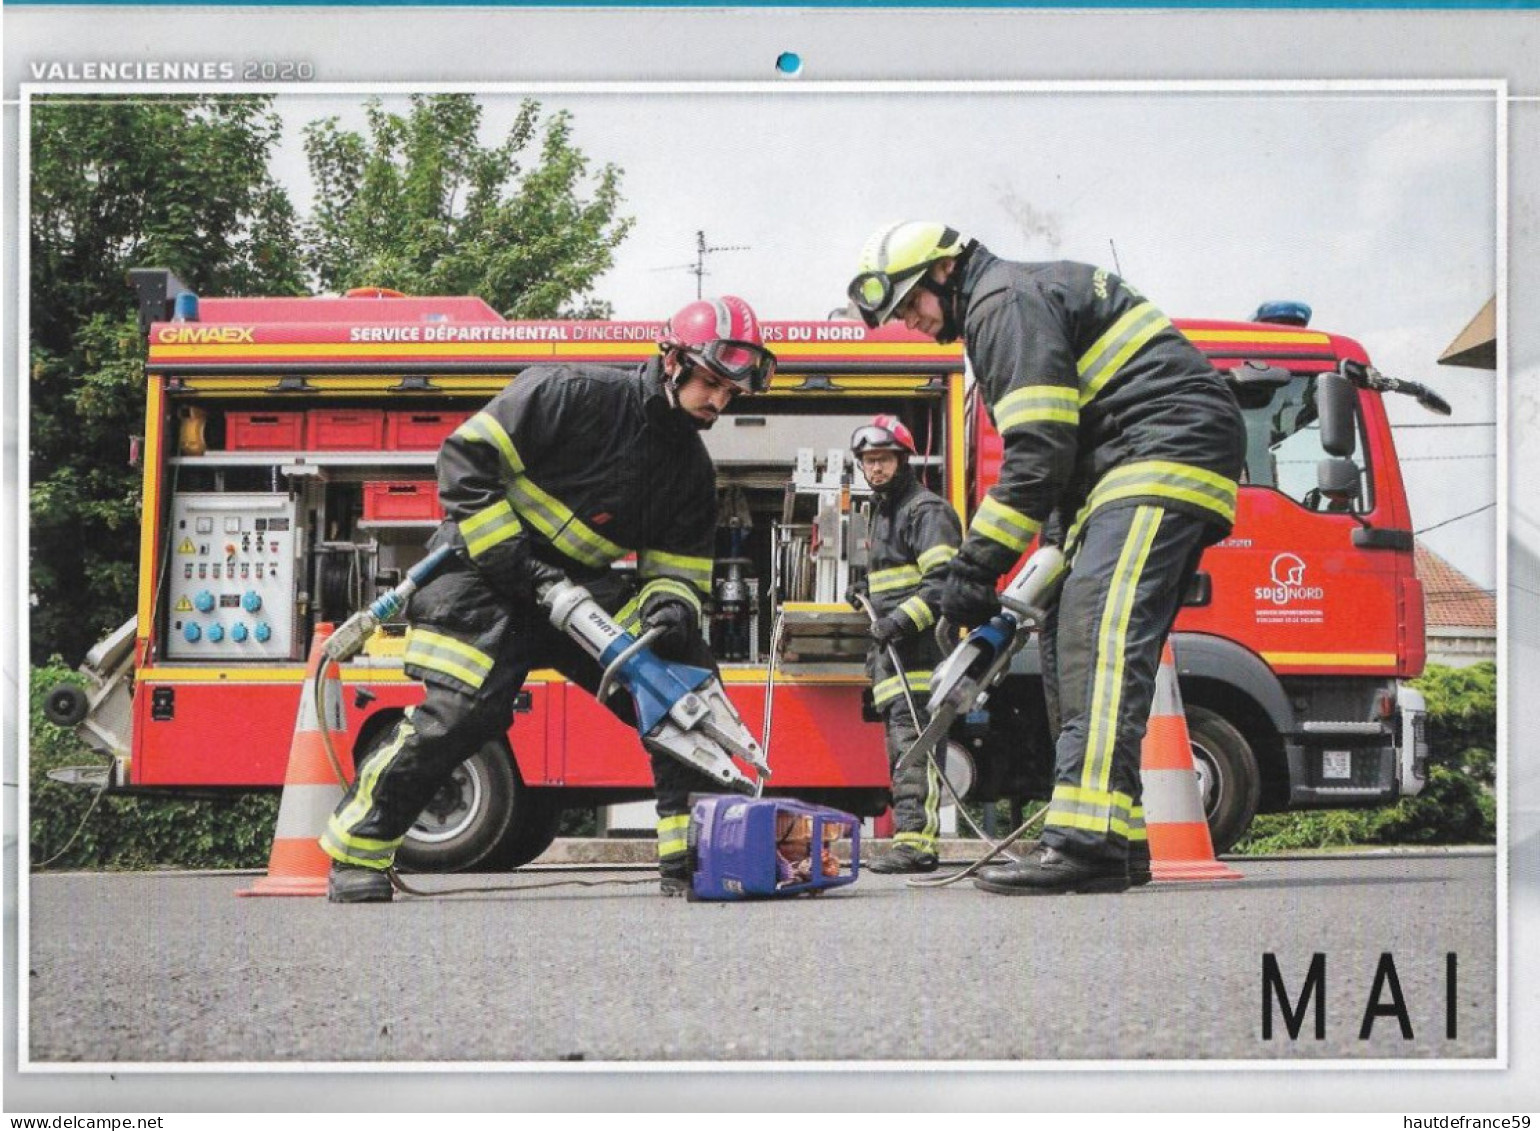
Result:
{"points": [[894, 260]]}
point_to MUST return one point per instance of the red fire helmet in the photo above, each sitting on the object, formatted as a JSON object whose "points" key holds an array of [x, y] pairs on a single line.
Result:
{"points": [[885, 433], [723, 335]]}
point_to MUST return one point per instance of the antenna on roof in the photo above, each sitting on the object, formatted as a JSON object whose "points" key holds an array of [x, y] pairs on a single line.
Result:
{"points": [[698, 268]]}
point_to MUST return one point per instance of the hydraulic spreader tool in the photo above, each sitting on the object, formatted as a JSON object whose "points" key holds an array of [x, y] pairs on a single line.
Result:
{"points": [[962, 682], [682, 710]]}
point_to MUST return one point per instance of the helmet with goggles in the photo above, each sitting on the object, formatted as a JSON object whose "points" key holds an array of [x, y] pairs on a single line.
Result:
{"points": [[886, 433], [722, 335], [894, 261]]}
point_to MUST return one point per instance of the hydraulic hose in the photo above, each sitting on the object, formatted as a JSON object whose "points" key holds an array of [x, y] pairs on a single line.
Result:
{"points": [[995, 848]]}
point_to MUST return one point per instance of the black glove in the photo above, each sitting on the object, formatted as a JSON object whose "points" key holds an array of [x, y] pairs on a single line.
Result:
{"points": [[969, 598], [888, 630], [512, 570], [677, 620]]}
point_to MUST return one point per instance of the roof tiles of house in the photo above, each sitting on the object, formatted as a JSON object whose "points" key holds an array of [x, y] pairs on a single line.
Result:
{"points": [[1452, 599]]}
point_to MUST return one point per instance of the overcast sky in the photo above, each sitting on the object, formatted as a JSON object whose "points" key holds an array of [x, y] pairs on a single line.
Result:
{"points": [[1377, 209]]}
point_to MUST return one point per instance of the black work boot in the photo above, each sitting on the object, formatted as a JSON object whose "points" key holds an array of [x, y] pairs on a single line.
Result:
{"points": [[348, 883], [903, 858], [1139, 863], [674, 878], [1047, 871]]}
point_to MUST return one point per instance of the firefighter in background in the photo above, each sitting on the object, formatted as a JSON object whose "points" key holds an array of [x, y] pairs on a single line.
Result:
{"points": [[1113, 419], [568, 469], [915, 533]]}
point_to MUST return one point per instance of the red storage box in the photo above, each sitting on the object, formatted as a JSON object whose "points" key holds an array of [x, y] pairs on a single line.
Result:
{"points": [[345, 429], [408, 431], [264, 431], [402, 501]]}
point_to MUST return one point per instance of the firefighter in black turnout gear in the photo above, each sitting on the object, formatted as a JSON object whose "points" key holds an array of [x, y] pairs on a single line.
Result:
{"points": [[568, 469], [1121, 438], [915, 533]]}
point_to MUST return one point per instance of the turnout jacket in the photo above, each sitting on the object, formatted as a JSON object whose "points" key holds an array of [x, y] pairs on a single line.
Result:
{"points": [[1098, 398], [915, 533], [589, 464]]}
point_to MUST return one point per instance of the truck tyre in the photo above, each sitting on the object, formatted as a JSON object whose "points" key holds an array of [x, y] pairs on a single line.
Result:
{"points": [[1227, 776], [66, 705], [531, 829], [466, 819]]}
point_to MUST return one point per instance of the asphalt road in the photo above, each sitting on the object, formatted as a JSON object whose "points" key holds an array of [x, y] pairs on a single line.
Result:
{"points": [[154, 969]]}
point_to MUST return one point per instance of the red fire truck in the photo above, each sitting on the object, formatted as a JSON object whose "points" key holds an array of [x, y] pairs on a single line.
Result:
{"points": [[289, 478]]}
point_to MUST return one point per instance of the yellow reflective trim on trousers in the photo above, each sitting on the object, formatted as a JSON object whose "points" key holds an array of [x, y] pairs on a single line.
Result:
{"points": [[936, 556], [1111, 351], [365, 851], [891, 688], [918, 612], [1037, 404], [1109, 799], [487, 528], [484, 428], [561, 527], [694, 570], [1137, 831], [1111, 648], [1089, 824], [445, 654], [673, 835], [894, 577], [932, 801], [1165, 479], [1005, 525]]}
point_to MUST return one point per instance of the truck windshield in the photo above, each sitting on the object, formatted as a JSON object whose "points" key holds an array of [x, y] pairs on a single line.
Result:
{"points": [[1283, 449]]}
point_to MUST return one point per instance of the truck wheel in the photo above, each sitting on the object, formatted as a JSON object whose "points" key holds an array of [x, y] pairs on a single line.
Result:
{"points": [[464, 821], [66, 705], [1227, 776], [530, 831]]}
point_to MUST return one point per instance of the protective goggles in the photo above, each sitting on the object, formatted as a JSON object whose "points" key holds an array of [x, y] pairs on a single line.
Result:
{"points": [[876, 294], [872, 438], [745, 364]]}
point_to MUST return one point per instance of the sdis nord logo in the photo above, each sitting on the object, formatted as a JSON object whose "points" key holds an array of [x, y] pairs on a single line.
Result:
{"points": [[1289, 582]]}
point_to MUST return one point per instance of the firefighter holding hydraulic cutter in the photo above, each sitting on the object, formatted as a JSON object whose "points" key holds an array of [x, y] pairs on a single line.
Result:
{"points": [[568, 469], [1121, 437]]}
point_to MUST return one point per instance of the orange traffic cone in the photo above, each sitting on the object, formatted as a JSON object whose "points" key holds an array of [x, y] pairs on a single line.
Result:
{"points": [[311, 790], [1180, 846]]}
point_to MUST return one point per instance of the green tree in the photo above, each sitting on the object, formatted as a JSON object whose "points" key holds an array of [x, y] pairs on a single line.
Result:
{"points": [[162, 181], [419, 205]]}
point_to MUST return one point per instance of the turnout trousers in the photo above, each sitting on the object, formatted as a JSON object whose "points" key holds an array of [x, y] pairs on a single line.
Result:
{"points": [[1130, 568], [462, 630], [916, 784]]}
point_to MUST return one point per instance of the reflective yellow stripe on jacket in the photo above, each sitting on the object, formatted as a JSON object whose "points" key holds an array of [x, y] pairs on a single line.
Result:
{"points": [[561, 527], [895, 577], [1110, 352], [1164, 479], [1003, 525], [1037, 404], [483, 428], [487, 528]]}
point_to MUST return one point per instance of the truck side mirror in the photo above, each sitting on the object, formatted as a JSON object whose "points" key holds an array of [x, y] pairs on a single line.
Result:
{"points": [[1338, 481], [1335, 399]]}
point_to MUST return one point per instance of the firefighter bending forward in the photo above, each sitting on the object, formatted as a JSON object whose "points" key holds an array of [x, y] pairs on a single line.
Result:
{"points": [[1112, 419], [915, 533], [568, 469]]}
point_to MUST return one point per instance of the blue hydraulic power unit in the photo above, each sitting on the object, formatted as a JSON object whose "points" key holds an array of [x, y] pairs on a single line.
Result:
{"points": [[764, 848]]}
